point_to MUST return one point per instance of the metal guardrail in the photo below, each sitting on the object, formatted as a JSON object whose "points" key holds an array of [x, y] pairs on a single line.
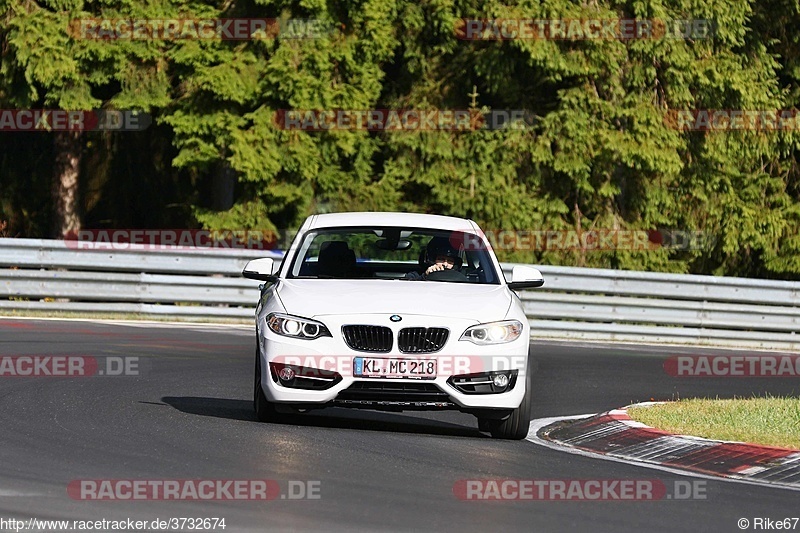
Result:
{"points": [[44, 275], [618, 305], [575, 303]]}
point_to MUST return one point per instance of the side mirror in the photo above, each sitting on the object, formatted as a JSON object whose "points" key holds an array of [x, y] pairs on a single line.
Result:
{"points": [[524, 277], [260, 269]]}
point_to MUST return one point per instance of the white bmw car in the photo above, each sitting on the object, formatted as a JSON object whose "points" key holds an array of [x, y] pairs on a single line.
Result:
{"points": [[393, 311]]}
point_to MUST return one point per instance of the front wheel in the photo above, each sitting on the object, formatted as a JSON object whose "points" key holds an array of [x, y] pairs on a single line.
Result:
{"points": [[517, 424], [265, 410]]}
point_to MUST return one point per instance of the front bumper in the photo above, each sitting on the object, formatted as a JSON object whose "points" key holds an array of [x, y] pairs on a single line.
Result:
{"points": [[333, 358]]}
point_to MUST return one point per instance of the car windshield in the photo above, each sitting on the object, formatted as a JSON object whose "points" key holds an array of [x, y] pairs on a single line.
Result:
{"points": [[394, 253]]}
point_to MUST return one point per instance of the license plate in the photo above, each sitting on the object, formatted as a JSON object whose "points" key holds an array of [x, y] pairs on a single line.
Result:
{"points": [[377, 367]]}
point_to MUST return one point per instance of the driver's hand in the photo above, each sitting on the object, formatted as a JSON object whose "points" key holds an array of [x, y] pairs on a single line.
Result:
{"points": [[435, 267]]}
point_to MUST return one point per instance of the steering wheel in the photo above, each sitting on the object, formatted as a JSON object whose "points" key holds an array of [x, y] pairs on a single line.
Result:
{"points": [[448, 274]]}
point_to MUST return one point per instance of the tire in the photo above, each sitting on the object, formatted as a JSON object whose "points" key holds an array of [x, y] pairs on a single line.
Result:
{"points": [[517, 424], [265, 410]]}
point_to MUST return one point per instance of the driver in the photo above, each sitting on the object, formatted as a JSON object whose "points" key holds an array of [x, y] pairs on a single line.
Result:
{"points": [[441, 256]]}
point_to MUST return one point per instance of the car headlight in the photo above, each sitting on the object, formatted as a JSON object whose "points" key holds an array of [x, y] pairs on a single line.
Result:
{"points": [[297, 327], [493, 332]]}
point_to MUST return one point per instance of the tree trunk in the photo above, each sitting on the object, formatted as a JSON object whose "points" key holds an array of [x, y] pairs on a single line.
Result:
{"points": [[224, 183], [65, 182]]}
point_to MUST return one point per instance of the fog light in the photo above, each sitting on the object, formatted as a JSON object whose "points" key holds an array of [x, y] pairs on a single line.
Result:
{"points": [[500, 381], [286, 374]]}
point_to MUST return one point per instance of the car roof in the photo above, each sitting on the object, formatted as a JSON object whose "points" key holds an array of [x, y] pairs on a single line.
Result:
{"points": [[377, 218]]}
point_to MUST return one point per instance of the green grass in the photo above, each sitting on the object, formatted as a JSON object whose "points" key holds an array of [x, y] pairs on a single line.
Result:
{"points": [[769, 421]]}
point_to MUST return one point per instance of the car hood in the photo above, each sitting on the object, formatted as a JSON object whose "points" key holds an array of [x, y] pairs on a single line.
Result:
{"points": [[320, 297]]}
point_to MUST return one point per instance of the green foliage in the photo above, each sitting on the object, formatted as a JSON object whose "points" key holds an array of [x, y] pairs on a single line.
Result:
{"points": [[600, 154]]}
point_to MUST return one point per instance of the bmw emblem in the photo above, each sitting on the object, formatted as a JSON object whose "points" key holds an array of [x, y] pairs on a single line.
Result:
{"points": [[395, 318]]}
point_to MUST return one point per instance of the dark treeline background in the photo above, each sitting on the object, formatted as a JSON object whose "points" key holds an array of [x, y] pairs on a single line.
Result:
{"points": [[601, 154]]}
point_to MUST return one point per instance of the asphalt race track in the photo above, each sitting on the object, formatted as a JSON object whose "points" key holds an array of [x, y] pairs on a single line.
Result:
{"points": [[188, 415]]}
